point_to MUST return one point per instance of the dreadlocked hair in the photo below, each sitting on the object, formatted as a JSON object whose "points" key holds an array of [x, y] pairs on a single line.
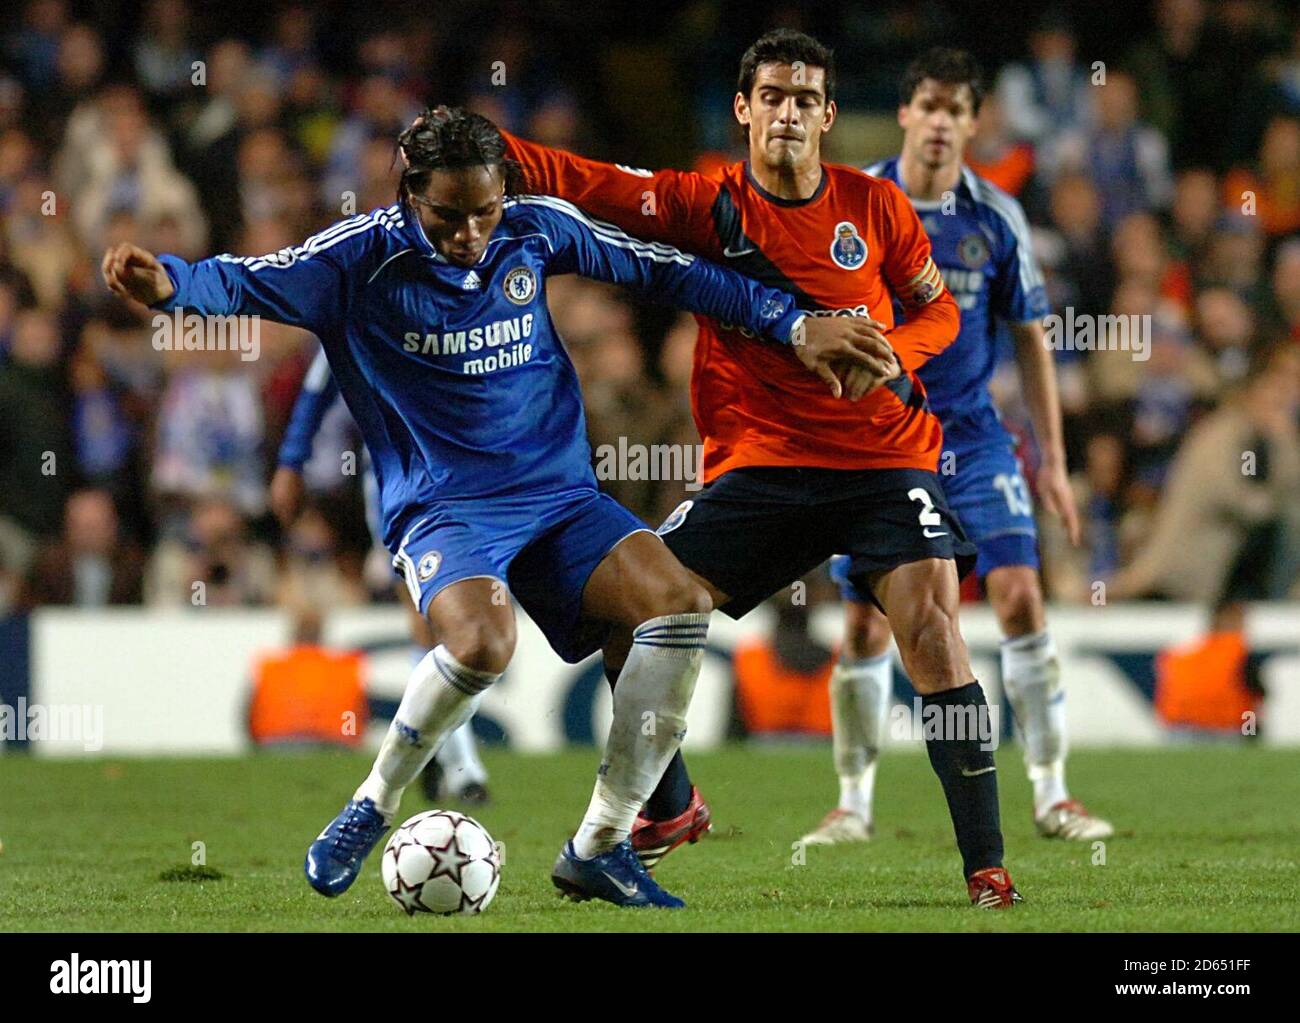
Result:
{"points": [[450, 137]]}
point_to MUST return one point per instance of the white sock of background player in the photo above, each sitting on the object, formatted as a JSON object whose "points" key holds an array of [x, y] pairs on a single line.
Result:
{"points": [[861, 694], [458, 757], [441, 695], [1031, 678], [650, 703]]}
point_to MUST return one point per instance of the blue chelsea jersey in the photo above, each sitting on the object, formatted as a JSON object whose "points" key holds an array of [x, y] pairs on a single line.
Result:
{"points": [[981, 245], [455, 375]]}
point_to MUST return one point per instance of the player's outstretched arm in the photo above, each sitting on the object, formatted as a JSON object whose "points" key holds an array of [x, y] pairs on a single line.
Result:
{"points": [[305, 286], [667, 205], [604, 253]]}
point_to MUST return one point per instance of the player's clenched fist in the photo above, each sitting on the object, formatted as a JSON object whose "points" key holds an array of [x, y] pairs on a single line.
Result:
{"points": [[132, 272], [824, 343]]}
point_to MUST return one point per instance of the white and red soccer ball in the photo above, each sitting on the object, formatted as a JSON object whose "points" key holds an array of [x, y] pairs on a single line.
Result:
{"points": [[441, 861]]}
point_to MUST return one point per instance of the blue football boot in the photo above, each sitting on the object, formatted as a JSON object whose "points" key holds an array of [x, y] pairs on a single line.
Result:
{"points": [[616, 876], [334, 860]]}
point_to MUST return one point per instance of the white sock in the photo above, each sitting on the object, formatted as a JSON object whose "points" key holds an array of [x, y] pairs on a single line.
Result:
{"points": [[459, 759], [650, 703], [861, 694], [441, 695], [1031, 678]]}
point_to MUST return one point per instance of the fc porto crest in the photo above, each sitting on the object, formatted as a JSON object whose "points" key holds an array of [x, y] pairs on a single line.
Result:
{"points": [[676, 518], [848, 250], [520, 285], [428, 566], [973, 250]]}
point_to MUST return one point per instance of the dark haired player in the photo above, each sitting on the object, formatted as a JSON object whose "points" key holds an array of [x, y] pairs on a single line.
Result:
{"points": [[433, 317], [793, 476], [980, 240]]}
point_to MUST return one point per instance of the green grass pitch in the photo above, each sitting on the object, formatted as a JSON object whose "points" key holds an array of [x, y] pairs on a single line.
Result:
{"points": [[1207, 842]]}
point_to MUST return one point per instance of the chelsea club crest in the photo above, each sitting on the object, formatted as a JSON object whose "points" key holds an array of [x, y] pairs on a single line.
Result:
{"points": [[520, 285], [428, 566], [848, 250], [973, 250]]}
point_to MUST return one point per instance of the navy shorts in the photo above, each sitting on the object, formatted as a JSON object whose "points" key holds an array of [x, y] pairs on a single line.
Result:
{"points": [[985, 487], [543, 548], [754, 531]]}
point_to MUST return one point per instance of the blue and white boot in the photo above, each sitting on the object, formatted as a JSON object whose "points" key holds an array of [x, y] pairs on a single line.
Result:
{"points": [[334, 860], [616, 876]]}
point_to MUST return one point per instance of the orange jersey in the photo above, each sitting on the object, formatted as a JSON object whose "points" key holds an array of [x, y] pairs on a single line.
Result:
{"points": [[851, 248]]}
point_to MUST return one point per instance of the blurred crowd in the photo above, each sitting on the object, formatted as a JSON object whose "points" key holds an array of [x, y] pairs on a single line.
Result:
{"points": [[1169, 187]]}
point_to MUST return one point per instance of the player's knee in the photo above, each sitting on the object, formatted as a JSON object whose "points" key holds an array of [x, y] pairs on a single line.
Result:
{"points": [[866, 634], [1018, 603], [482, 645], [678, 595]]}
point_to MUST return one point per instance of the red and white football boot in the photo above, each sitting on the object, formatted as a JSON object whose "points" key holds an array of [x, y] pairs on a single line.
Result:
{"points": [[991, 888], [653, 840]]}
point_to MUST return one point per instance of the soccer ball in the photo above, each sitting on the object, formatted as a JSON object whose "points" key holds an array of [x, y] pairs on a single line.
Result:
{"points": [[441, 861]]}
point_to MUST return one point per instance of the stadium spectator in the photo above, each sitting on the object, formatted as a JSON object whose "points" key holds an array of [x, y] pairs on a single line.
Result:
{"points": [[1225, 327], [1126, 159], [210, 562], [382, 110], [1193, 215], [36, 459], [90, 565], [293, 46], [1271, 188], [1084, 274], [165, 52], [1285, 293], [210, 434], [1172, 69], [102, 434], [115, 161], [311, 574], [1237, 473], [1049, 94], [996, 155]]}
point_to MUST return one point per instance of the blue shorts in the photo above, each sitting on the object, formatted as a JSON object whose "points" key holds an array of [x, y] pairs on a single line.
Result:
{"points": [[985, 488], [544, 549]]}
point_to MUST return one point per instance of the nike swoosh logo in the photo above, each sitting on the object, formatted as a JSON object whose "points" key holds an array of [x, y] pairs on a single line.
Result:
{"points": [[965, 774], [931, 536], [629, 892], [730, 254]]}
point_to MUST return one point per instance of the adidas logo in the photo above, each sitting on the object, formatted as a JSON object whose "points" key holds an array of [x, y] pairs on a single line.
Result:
{"points": [[471, 282]]}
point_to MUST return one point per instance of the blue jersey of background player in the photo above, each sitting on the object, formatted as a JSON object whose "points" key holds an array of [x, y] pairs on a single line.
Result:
{"points": [[980, 240], [432, 314], [981, 245]]}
